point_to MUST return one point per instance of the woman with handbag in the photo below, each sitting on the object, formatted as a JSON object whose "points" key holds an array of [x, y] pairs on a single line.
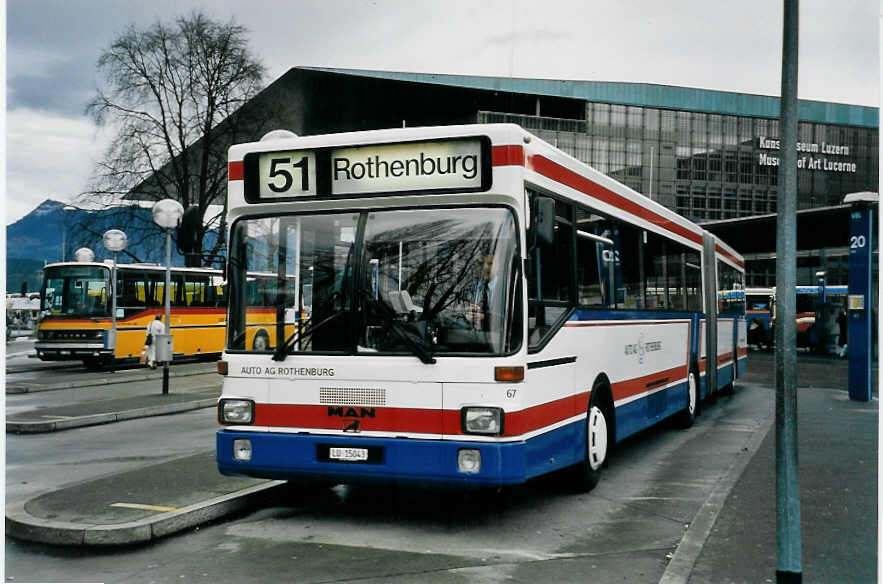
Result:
{"points": [[154, 328]]}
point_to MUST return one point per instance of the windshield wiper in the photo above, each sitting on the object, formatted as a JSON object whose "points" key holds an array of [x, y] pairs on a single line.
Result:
{"points": [[282, 350], [389, 316]]}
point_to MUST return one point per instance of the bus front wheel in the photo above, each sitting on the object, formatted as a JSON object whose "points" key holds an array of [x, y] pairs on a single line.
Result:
{"points": [[95, 363], [599, 440]]}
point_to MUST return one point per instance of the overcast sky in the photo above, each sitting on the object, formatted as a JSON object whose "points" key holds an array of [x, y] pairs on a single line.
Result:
{"points": [[53, 45]]}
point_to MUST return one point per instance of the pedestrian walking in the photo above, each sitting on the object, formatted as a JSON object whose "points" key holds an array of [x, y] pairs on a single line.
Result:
{"points": [[153, 329], [841, 338]]}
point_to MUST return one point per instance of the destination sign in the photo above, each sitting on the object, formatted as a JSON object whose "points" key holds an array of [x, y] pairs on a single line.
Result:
{"points": [[453, 164], [430, 166]]}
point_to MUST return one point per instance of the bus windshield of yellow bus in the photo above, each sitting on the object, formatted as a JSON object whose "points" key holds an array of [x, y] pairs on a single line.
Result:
{"points": [[75, 291]]}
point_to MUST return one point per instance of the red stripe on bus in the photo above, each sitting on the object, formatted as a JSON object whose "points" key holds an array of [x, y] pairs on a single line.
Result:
{"points": [[422, 421], [235, 170], [730, 256], [630, 387], [386, 419], [576, 181], [175, 312], [536, 417], [507, 156]]}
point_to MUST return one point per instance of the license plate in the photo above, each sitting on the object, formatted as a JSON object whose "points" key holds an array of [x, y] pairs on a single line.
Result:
{"points": [[349, 454]]}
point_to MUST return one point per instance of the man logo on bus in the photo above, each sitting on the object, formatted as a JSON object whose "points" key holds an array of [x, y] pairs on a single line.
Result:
{"points": [[641, 348]]}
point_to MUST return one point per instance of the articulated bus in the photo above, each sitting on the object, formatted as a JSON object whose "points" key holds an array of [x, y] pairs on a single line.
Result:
{"points": [[479, 308], [75, 313]]}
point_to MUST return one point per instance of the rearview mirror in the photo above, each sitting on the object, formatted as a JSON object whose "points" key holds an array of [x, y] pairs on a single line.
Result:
{"points": [[542, 230]]}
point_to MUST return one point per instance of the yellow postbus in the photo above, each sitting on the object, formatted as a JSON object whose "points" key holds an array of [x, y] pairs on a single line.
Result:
{"points": [[75, 311]]}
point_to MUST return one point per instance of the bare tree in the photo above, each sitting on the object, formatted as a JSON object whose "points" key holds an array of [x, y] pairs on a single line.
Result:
{"points": [[174, 94]]}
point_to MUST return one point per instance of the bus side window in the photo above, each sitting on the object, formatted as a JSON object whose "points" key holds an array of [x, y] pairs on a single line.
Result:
{"points": [[655, 272], [550, 284], [730, 279], [693, 280], [630, 267], [591, 255], [196, 290]]}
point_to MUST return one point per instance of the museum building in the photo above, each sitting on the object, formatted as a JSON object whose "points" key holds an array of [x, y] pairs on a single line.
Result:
{"points": [[711, 156]]}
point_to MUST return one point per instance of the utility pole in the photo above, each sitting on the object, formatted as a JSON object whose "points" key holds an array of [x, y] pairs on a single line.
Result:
{"points": [[788, 537]]}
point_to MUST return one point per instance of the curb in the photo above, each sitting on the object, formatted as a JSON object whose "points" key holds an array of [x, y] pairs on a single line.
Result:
{"points": [[107, 418], [690, 546], [19, 389], [23, 526]]}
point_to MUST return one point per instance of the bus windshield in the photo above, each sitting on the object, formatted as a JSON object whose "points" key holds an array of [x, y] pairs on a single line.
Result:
{"points": [[75, 291], [422, 282]]}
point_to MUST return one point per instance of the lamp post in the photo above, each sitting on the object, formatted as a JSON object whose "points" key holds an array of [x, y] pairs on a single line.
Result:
{"points": [[114, 241], [167, 214], [65, 210]]}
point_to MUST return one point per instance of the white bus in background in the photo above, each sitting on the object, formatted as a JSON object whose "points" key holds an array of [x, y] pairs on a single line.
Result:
{"points": [[479, 308]]}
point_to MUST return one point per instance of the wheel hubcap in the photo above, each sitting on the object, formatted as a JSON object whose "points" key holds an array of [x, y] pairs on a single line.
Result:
{"points": [[691, 392], [597, 438]]}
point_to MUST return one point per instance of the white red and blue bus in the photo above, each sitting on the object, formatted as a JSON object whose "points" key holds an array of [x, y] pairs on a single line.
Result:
{"points": [[816, 312], [478, 308]]}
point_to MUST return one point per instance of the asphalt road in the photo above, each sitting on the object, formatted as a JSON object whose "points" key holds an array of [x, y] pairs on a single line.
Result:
{"points": [[624, 531]]}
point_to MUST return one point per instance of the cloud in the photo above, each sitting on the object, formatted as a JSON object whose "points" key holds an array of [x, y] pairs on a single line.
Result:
{"points": [[48, 156], [59, 87]]}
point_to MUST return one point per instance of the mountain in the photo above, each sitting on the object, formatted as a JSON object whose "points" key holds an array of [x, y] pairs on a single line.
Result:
{"points": [[49, 233]]}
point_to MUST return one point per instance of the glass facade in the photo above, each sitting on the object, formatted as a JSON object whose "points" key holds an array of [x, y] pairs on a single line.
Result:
{"points": [[708, 166]]}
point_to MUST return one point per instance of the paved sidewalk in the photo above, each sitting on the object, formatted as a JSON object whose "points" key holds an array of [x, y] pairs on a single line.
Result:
{"points": [[158, 500], [74, 403], [837, 441]]}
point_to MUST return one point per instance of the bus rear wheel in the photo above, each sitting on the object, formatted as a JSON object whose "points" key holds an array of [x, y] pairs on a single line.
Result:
{"points": [[687, 416]]}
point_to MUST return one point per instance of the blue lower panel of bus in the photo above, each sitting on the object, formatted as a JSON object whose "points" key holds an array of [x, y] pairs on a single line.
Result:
{"points": [[643, 413], [402, 460], [743, 365]]}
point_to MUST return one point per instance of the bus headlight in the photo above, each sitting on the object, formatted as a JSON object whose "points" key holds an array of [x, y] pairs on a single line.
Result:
{"points": [[482, 420], [236, 411]]}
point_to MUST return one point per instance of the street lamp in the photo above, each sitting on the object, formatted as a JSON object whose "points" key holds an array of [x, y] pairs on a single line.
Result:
{"points": [[114, 241], [84, 255], [167, 214]]}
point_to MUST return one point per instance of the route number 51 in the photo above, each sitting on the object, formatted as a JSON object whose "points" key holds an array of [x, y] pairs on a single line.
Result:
{"points": [[287, 174]]}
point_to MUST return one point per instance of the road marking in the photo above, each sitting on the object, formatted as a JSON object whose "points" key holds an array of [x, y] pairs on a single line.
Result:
{"points": [[159, 508], [58, 417]]}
